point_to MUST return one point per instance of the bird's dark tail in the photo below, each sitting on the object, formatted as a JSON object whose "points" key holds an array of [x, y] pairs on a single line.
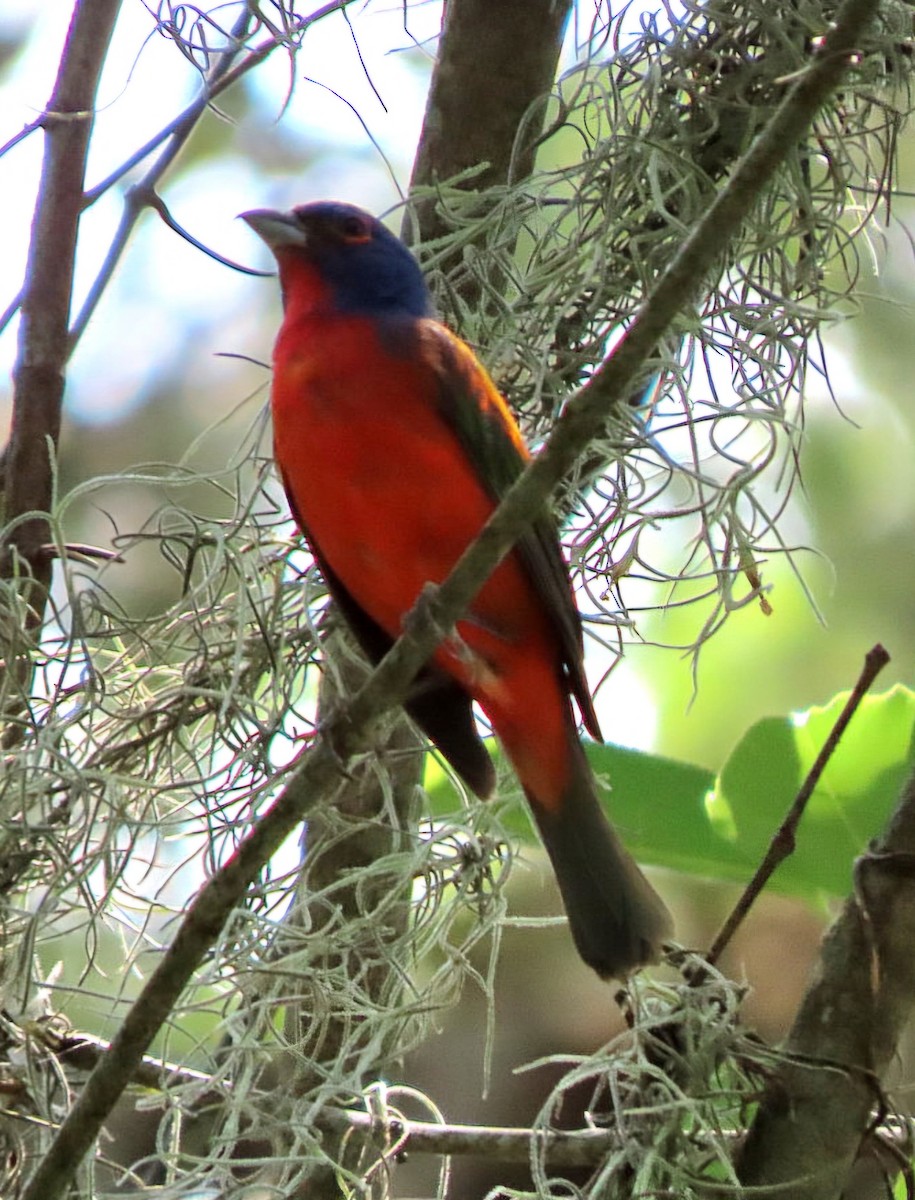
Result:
{"points": [[618, 921]]}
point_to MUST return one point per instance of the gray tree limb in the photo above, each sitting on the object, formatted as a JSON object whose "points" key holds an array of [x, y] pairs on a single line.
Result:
{"points": [[817, 1109], [44, 343]]}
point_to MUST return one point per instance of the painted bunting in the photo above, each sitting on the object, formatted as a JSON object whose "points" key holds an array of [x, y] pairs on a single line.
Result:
{"points": [[394, 447]]}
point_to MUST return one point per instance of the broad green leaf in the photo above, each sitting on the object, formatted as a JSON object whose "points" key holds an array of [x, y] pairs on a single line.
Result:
{"points": [[855, 795], [674, 814]]}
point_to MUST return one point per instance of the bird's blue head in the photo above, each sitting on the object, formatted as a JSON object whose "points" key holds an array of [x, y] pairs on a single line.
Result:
{"points": [[367, 269]]}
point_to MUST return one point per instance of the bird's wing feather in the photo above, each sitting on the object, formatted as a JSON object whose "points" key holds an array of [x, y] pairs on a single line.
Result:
{"points": [[483, 424]]}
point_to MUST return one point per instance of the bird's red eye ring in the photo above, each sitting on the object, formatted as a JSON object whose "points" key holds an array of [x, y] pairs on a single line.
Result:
{"points": [[355, 230]]}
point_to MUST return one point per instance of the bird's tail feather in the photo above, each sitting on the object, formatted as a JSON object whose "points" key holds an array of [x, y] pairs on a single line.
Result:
{"points": [[618, 921]]}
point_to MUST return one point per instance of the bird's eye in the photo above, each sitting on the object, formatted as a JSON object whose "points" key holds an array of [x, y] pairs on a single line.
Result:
{"points": [[355, 229]]}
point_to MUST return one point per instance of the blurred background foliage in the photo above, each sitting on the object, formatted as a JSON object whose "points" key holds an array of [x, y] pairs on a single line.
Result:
{"points": [[173, 370]]}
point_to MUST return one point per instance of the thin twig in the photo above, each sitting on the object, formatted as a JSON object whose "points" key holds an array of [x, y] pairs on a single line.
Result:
{"points": [[23, 133], [173, 138], [142, 194], [81, 552], [10, 311], [398, 1134], [157, 204], [83, 1052], [783, 841]]}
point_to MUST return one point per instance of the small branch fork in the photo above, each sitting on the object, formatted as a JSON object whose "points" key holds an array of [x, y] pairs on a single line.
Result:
{"points": [[782, 844], [315, 774], [171, 138]]}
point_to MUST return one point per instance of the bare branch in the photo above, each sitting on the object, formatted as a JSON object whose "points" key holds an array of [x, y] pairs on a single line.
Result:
{"points": [[38, 376], [400, 1135], [143, 194], [818, 1108], [782, 844], [224, 73], [397, 1133]]}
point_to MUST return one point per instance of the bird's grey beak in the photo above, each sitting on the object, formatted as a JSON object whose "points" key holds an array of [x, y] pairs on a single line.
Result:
{"points": [[276, 228]]}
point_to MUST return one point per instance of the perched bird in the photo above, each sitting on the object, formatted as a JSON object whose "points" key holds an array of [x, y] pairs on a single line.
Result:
{"points": [[395, 446]]}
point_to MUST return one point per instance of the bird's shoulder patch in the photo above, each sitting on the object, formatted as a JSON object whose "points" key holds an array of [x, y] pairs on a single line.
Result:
{"points": [[467, 390]]}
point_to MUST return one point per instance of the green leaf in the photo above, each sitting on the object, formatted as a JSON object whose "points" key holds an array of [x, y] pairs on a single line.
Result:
{"points": [[677, 815], [855, 795], [659, 807]]}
